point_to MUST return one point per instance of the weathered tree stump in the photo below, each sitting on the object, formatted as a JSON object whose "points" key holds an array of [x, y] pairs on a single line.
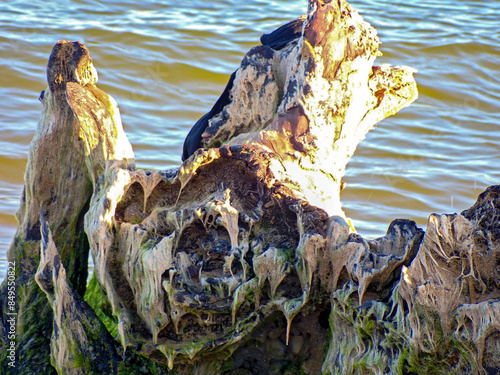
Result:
{"points": [[242, 261]]}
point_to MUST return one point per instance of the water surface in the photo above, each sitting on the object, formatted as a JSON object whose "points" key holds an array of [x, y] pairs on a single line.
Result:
{"points": [[167, 62]]}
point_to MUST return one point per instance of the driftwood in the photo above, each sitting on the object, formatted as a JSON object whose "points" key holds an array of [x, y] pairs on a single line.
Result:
{"points": [[241, 261]]}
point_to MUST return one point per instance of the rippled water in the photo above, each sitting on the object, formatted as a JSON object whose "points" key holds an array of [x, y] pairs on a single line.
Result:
{"points": [[167, 62]]}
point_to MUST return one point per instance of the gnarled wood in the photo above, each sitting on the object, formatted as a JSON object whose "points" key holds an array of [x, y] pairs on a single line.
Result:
{"points": [[241, 261]]}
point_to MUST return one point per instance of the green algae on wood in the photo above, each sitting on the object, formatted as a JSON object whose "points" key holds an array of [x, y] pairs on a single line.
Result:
{"points": [[245, 249]]}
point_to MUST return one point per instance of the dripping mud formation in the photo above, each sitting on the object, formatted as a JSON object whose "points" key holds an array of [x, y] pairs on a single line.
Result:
{"points": [[242, 261]]}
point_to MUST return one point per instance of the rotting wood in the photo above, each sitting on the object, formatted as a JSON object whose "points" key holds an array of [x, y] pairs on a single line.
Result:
{"points": [[241, 261]]}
